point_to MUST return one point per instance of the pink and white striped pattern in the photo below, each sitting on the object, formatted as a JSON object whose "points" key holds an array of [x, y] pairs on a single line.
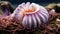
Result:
{"points": [[31, 15]]}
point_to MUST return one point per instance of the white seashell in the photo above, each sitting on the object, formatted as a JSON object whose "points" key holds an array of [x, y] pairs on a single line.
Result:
{"points": [[31, 15]]}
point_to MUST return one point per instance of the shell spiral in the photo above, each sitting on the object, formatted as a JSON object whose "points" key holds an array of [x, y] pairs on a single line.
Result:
{"points": [[31, 15]]}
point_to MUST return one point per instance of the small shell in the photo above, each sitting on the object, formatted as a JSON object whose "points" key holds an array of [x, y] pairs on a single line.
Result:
{"points": [[31, 15]]}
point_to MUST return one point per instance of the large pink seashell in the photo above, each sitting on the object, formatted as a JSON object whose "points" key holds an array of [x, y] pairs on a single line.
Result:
{"points": [[31, 15]]}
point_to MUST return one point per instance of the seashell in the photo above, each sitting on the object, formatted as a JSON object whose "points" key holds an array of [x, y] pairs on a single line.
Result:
{"points": [[31, 15]]}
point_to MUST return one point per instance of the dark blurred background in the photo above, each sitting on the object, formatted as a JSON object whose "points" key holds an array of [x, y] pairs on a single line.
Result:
{"points": [[41, 2]]}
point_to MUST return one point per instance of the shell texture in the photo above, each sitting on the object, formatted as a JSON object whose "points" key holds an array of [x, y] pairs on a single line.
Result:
{"points": [[31, 15]]}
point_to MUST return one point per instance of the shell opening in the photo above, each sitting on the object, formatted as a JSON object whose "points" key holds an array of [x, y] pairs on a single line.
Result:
{"points": [[31, 9]]}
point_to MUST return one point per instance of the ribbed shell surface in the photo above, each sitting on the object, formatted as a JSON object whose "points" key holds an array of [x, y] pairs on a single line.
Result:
{"points": [[31, 20]]}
